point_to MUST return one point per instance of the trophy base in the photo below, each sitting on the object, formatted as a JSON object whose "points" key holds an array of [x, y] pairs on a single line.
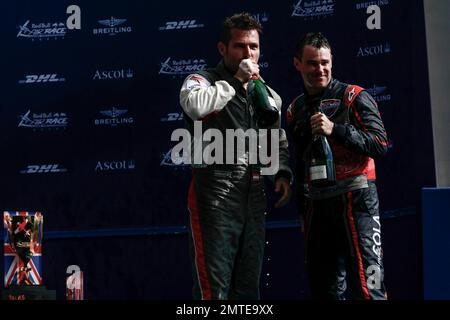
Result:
{"points": [[32, 292]]}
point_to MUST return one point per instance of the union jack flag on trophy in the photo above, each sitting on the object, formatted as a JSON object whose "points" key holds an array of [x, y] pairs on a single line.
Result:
{"points": [[22, 243]]}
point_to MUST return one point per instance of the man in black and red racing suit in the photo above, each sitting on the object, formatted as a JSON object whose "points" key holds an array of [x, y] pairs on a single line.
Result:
{"points": [[341, 223]]}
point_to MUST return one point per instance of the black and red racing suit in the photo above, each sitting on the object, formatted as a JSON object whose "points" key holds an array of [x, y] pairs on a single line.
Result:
{"points": [[342, 223]]}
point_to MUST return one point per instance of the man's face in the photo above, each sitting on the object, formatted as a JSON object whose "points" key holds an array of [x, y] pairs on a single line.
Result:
{"points": [[243, 44], [315, 67]]}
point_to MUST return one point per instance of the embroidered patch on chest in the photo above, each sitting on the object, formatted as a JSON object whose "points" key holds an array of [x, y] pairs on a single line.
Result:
{"points": [[329, 106]]}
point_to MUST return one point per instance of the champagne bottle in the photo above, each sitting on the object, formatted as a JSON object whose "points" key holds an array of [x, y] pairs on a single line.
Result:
{"points": [[321, 168], [264, 105]]}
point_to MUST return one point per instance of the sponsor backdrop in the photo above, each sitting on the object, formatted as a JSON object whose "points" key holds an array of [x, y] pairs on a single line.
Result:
{"points": [[90, 99]]}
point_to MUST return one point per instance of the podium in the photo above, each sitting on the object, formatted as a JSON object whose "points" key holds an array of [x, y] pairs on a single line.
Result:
{"points": [[436, 243], [18, 292]]}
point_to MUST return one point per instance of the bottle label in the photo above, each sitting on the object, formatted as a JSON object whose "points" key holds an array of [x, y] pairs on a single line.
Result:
{"points": [[318, 172]]}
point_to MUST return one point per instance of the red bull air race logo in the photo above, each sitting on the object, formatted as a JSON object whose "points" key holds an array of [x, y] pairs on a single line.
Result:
{"points": [[51, 30], [44, 120], [42, 30], [313, 9], [181, 67]]}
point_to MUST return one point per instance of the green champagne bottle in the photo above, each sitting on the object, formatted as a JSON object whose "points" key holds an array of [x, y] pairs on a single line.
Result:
{"points": [[264, 105]]}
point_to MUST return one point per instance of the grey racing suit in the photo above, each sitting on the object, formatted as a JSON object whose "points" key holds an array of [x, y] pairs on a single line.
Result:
{"points": [[227, 202]]}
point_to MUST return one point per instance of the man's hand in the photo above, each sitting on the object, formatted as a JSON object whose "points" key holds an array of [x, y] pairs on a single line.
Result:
{"points": [[321, 125], [282, 185], [247, 70]]}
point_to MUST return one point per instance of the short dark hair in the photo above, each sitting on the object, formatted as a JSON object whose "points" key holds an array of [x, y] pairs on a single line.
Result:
{"points": [[315, 39], [243, 21]]}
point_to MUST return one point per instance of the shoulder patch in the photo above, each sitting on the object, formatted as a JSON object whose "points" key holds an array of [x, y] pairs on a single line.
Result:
{"points": [[351, 93], [196, 81]]}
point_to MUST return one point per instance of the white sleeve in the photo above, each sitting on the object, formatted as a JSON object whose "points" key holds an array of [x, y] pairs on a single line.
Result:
{"points": [[198, 97]]}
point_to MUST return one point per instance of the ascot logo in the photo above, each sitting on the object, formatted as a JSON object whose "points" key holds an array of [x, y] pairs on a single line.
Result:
{"points": [[312, 9], [43, 168], [183, 24], [376, 93], [124, 165], [113, 27], [114, 118], [49, 120], [113, 74], [41, 78], [374, 50], [182, 67]]}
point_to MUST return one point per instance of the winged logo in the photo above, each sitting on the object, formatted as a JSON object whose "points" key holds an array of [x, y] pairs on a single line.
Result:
{"points": [[376, 90], [114, 112], [112, 22]]}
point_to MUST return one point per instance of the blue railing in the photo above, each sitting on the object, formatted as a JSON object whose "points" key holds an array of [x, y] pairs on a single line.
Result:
{"points": [[177, 230]]}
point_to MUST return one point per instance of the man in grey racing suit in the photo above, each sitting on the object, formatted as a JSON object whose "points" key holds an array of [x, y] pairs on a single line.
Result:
{"points": [[227, 202]]}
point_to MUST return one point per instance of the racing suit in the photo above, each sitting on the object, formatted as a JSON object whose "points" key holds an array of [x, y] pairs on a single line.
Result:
{"points": [[342, 223], [227, 202]]}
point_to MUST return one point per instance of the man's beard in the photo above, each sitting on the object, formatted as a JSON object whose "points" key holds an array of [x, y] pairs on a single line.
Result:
{"points": [[231, 67]]}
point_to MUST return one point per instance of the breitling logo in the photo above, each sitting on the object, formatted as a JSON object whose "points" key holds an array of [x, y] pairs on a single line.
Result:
{"points": [[112, 22], [114, 117], [113, 26]]}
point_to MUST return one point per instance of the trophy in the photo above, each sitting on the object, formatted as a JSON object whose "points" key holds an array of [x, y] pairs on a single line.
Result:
{"points": [[22, 248]]}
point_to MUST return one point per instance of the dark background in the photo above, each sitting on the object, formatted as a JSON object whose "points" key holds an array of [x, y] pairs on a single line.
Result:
{"points": [[125, 228]]}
